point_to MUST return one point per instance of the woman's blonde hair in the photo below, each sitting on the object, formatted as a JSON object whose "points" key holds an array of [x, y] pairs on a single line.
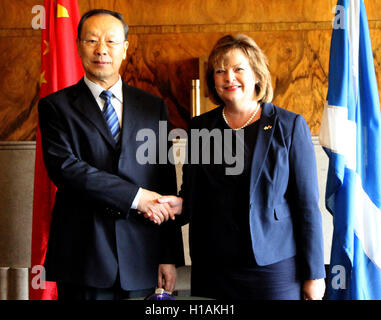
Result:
{"points": [[257, 60]]}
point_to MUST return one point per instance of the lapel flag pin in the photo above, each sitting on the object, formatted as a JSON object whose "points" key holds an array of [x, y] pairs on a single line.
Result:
{"points": [[267, 127]]}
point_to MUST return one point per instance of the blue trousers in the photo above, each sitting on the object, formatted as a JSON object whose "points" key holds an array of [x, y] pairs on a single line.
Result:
{"points": [[279, 281], [74, 292]]}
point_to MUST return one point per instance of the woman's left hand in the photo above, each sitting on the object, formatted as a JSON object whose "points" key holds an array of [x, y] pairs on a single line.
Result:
{"points": [[313, 289]]}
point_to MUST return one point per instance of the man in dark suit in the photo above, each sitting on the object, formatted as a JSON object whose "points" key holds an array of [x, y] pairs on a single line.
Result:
{"points": [[99, 245]]}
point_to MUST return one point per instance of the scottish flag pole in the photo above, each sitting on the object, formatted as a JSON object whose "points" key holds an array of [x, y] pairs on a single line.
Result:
{"points": [[351, 136]]}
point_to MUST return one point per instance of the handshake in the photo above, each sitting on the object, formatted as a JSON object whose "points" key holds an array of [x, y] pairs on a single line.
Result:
{"points": [[158, 208]]}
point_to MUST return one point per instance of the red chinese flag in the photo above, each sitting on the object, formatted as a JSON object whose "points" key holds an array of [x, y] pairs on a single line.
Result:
{"points": [[60, 68]]}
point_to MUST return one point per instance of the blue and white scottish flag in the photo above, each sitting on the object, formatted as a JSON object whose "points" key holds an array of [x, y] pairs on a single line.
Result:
{"points": [[351, 136]]}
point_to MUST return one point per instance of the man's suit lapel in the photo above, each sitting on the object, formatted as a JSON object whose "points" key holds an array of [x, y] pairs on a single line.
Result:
{"points": [[266, 129], [130, 115], [85, 103]]}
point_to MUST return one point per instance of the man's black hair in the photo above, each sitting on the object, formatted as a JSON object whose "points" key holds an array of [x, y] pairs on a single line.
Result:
{"points": [[95, 12]]}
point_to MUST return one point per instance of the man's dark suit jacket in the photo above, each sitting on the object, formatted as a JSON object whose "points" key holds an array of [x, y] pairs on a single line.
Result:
{"points": [[94, 233], [284, 217]]}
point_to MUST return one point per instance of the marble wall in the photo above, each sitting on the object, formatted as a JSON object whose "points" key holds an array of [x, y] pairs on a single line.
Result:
{"points": [[167, 37]]}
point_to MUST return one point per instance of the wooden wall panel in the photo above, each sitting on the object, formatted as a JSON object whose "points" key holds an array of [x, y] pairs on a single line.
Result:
{"points": [[164, 65], [19, 87], [300, 84], [375, 37], [17, 14], [166, 39], [298, 64], [189, 12]]}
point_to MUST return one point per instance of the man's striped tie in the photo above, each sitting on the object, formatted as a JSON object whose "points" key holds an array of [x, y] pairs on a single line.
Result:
{"points": [[110, 114]]}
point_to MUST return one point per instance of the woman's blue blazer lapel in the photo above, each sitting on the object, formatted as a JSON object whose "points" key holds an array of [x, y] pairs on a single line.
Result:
{"points": [[267, 126]]}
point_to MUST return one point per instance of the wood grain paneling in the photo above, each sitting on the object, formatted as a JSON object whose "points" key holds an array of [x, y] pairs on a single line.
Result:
{"points": [[166, 39], [193, 12], [19, 87], [18, 14], [165, 66]]}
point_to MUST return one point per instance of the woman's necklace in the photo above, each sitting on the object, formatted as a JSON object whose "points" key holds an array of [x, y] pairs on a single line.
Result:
{"points": [[246, 123]]}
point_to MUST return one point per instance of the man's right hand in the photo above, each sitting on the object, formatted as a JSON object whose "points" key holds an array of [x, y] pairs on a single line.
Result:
{"points": [[152, 209]]}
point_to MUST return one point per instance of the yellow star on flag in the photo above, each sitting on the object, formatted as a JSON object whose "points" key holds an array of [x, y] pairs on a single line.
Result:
{"points": [[62, 12], [42, 78], [47, 48]]}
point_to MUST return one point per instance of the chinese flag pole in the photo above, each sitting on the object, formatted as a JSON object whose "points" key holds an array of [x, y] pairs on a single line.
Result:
{"points": [[60, 68]]}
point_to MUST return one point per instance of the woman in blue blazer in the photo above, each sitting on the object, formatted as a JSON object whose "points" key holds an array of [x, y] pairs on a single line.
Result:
{"points": [[255, 234]]}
